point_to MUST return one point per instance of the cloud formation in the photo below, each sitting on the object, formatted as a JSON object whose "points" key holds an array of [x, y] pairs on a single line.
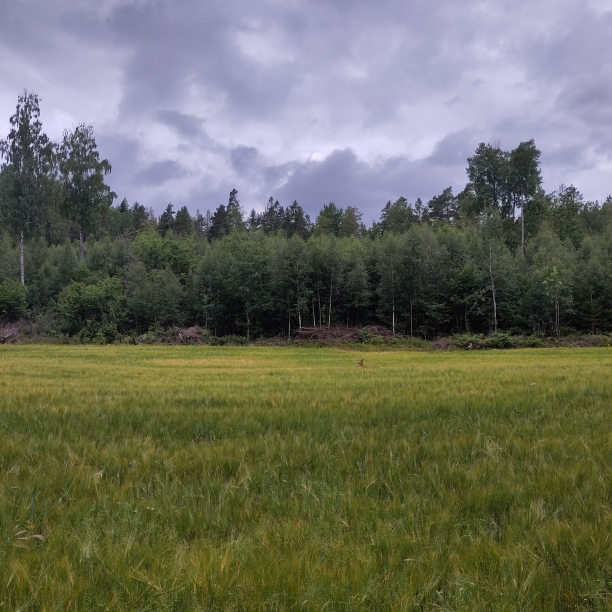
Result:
{"points": [[352, 102]]}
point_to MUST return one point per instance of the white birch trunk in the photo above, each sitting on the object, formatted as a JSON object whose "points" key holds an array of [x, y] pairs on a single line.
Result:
{"points": [[22, 258], [493, 290], [523, 226]]}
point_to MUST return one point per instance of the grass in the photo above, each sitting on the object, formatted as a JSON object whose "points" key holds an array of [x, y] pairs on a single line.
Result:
{"points": [[189, 478]]}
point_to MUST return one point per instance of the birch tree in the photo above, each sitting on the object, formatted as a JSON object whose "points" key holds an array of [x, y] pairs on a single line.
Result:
{"points": [[86, 195], [26, 177]]}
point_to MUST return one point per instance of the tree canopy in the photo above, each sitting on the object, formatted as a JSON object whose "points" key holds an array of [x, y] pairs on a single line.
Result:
{"points": [[500, 255]]}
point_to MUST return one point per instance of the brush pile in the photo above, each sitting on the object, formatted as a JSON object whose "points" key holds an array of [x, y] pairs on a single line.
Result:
{"points": [[340, 333], [8, 331]]}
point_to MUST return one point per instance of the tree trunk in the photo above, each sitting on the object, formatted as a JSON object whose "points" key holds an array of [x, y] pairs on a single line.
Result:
{"points": [[319, 295], [523, 226], [298, 307], [557, 317], [393, 298], [22, 258], [80, 244], [331, 288], [411, 317], [248, 328], [493, 290]]}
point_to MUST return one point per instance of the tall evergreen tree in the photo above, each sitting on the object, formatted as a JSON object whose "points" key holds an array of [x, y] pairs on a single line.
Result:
{"points": [[183, 223], [443, 207], [235, 222], [273, 217], [397, 216], [166, 220], [329, 220], [219, 225], [296, 221], [351, 222]]}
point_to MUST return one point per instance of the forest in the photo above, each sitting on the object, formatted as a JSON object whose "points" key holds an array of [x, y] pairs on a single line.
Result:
{"points": [[501, 255]]}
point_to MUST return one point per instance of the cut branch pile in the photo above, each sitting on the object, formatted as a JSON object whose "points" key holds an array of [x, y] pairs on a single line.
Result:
{"points": [[339, 333], [189, 335], [8, 331]]}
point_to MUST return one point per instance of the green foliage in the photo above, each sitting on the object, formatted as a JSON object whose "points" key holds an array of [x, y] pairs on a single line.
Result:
{"points": [[153, 297], [86, 195], [89, 309], [158, 253], [227, 219], [26, 177], [27, 186], [329, 220], [13, 300], [454, 266]]}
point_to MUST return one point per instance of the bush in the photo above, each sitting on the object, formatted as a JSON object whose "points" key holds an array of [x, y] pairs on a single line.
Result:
{"points": [[87, 310], [468, 341], [605, 340], [13, 300], [154, 298], [533, 342], [226, 341], [498, 341]]}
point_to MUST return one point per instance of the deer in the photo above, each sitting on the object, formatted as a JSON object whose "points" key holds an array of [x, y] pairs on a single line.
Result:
{"points": [[360, 363]]}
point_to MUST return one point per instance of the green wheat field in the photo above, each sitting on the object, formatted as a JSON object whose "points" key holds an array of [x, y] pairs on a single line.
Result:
{"points": [[190, 478]]}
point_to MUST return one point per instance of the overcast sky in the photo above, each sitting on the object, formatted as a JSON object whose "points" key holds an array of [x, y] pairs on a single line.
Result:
{"points": [[351, 101]]}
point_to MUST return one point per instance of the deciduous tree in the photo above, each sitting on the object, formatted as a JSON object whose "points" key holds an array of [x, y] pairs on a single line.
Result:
{"points": [[86, 196], [27, 188]]}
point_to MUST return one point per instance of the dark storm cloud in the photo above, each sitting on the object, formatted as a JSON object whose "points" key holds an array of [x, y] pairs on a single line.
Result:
{"points": [[243, 157], [454, 149], [188, 126], [350, 101], [178, 46], [346, 180], [123, 153], [160, 172]]}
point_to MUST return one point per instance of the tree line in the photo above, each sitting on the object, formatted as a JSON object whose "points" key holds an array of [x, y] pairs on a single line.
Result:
{"points": [[500, 255]]}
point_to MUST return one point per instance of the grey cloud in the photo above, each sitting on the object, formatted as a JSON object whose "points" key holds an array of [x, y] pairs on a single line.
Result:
{"points": [[242, 157], [349, 181], [188, 126], [291, 79], [590, 98], [123, 154], [160, 172], [454, 149], [567, 155]]}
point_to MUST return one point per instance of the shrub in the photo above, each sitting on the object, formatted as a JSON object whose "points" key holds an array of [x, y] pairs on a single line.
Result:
{"points": [[13, 300], [498, 341], [153, 298], [468, 341], [533, 342], [91, 309], [226, 341], [365, 335]]}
